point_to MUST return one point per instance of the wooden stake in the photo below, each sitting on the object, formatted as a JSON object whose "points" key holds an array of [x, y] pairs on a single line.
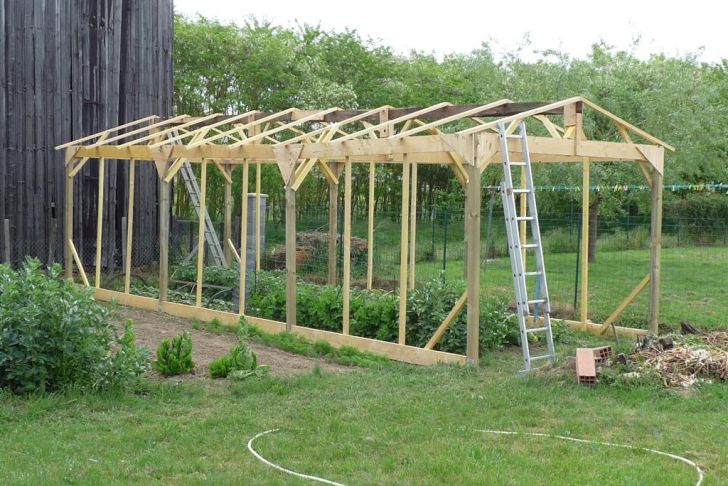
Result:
{"points": [[370, 226], [403, 250], [68, 224], [129, 229], [290, 257], [227, 229], [584, 300], [257, 215], [346, 284], [333, 230], [100, 220], [472, 260], [77, 259], [201, 233], [243, 262], [655, 250], [413, 227]]}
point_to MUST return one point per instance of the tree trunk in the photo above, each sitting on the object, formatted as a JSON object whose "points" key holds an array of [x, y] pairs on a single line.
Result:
{"points": [[594, 226]]}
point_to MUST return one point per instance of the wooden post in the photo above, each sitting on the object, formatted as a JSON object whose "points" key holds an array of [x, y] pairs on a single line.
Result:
{"points": [[243, 239], [100, 220], [370, 226], [201, 233], [290, 256], [403, 250], [346, 283], [584, 300], [164, 212], [257, 215], [413, 227], [227, 229], [333, 229], [655, 250], [68, 223], [129, 229], [472, 260]]}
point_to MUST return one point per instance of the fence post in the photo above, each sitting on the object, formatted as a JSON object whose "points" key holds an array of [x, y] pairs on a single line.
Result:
{"points": [[445, 216], [6, 241]]}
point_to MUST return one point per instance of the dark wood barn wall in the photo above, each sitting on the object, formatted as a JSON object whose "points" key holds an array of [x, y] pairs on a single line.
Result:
{"points": [[69, 68]]}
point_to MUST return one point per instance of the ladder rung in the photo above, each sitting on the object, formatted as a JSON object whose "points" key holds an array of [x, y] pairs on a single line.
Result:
{"points": [[537, 358], [524, 218], [537, 301], [521, 191], [531, 274], [537, 329], [513, 136], [529, 245], [518, 164]]}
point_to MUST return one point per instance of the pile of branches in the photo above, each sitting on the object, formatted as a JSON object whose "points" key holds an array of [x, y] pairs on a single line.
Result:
{"points": [[683, 361]]}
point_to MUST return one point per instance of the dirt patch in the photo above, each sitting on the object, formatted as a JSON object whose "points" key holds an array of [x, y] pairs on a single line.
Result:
{"points": [[152, 327]]}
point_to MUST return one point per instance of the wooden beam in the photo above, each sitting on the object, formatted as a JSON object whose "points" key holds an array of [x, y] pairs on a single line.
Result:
{"points": [[346, 281], [201, 235], [164, 216], [68, 223], [242, 259], [100, 220], [227, 204], [333, 231], [402, 118], [234, 251], [154, 126], [472, 260], [220, 134], [290, 257], [459, 304], [623, 305], [540, 110], [370, 225], [77, 259], [403, 251], [129, 228], [655, 250], [584, 300], [107, 131], [457, 116], [160, 134]]}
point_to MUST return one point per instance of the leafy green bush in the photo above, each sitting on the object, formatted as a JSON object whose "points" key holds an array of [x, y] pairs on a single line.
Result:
{"points": [[53, 335], [175, 357], [241, 362]]}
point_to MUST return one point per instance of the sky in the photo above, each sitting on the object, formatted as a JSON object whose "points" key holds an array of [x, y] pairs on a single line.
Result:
{"points": [[456, 26]]}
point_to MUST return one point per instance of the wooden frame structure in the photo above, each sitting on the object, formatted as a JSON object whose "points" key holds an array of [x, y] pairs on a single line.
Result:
{"points": [[332, 140]]}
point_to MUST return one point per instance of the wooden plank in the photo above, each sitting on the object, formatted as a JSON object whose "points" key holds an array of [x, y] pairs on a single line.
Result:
{"points": [[221, 134], [107, 131], [129, 228], [584, 297], [473, 262], [234, 251], [100, 220], [457, 116], [540, 110], [291, 280], [403, 251], [201, 234], [159, 137], [623, 305], [370, 225], [242, 259], [402, 118], [440, 332], [655, 250], [79, 265], [413, 227], [346, 281]]}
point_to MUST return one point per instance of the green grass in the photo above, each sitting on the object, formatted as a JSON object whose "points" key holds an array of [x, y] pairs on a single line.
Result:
{"points": [[397, 424], [693, 283]]}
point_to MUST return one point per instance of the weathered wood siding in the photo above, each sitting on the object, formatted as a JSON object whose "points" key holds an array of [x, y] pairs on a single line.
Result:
{"points": [[69, 68]]}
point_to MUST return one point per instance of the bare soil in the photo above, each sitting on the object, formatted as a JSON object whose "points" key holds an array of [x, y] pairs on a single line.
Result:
{"points": [[152, 327]]}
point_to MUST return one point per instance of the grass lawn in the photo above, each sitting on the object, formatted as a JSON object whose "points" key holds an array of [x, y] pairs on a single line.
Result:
{"points": [[694, 283], [398, 424]]}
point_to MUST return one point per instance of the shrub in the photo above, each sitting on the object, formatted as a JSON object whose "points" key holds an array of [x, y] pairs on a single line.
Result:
{"points": [[175, 357], [53, 335], [241, 362]]}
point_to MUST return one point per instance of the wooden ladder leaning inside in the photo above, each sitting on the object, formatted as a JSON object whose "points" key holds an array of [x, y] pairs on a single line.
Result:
{"points": [[518, 246]]}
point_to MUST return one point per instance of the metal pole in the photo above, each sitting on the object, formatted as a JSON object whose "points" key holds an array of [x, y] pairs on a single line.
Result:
{"points": [[444, 246]]}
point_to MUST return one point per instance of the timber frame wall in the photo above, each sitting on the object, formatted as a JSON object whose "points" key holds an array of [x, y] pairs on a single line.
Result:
{"points": [[332, 140]]}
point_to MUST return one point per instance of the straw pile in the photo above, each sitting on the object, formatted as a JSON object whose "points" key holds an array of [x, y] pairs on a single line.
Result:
{"points": [[684, 362]]}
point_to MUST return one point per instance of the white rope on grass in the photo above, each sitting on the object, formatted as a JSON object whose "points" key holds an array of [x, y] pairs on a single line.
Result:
{"points": [[610, 444], [684, 460], [283, 469]]}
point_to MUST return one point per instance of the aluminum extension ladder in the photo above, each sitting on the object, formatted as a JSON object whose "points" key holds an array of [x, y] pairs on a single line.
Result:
{"points": [[540, 301], [193, 189]]}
